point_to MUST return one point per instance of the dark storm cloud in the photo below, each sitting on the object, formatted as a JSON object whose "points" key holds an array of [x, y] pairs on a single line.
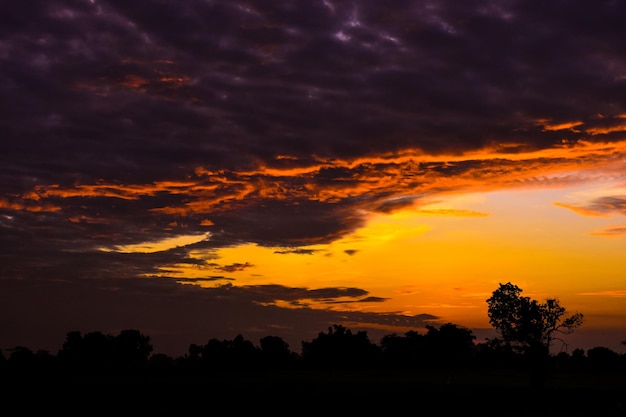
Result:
{"points": [[124, 90], [134, 92], [130, 122]]}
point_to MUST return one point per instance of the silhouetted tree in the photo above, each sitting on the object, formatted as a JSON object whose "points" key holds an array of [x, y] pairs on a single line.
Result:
{"points": [[22, 362], [450, 346], [96, 353], [404, 352], [603, 360], [242, 353], [160, 365], [86, 355], [577, 360], [275, 352], [496, 353], [237, 354], [25, 364], [130, 351], [447, 346], [340, 349], [529, 326]]}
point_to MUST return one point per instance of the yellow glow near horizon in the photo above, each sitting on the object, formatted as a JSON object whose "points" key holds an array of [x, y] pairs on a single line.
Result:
{"points": [[536, 219], [448, 265]]}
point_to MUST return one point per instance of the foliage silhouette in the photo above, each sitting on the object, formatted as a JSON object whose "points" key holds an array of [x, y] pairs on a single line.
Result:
{"points": [[236, 354], [448, 348], [450, 345], [275, 353], [602, 359], [408, 351], [98, 354], [442, 364], [341, 349], [526, 323], [529, 326]]}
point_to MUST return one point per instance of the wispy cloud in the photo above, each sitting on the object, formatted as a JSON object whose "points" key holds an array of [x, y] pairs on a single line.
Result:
{"points": [[601, 206], [611, 231], [612, 293]]}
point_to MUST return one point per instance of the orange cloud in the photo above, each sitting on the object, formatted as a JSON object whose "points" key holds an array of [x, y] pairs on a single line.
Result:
{"points": [[612, 293], [606, 130], [134, 81], [157, 78], [5, 204], [451, 212], [376, 180], [121, 191], [559, 126], [611, 231], [86, 219], [582, 210]]}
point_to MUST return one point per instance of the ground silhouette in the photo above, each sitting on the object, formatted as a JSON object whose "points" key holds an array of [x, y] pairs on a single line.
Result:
{"points": [[442, 369]]}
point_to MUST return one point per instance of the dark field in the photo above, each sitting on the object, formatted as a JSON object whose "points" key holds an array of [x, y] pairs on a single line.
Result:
{"points": [[311, 393]]}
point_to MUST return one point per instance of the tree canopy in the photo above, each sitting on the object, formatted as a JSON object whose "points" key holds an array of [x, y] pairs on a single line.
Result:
{"points": [[526, 323]]}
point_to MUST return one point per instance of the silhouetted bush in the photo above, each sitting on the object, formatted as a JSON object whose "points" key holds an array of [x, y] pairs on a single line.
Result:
{"points": [[340, 349], [97, 354], [275, 353], [498, 354], [404, 352], [604, 360], [446, 348]]}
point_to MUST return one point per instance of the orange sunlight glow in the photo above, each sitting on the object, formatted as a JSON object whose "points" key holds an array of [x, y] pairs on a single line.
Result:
{"points": [[463, 224], [410, 171]]}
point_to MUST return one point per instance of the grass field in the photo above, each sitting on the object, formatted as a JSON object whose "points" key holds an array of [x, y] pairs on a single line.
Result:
{"points": [[308, 393]]}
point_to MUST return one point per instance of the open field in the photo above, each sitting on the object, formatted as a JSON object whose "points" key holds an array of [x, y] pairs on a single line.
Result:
{"points": [[335, 393]]}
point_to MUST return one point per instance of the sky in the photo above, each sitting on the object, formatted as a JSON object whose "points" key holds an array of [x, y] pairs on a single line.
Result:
{"points": [[203, 169]]}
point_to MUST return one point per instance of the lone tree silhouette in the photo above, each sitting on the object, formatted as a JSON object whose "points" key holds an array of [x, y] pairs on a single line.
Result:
{"points": [[530, 326]]}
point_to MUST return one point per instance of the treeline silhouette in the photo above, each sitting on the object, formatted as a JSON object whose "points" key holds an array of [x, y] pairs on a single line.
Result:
{"points": [[443, 349]]}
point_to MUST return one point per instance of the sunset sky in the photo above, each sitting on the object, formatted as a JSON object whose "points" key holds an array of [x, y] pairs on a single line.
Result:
{"points": [[206, 168]]}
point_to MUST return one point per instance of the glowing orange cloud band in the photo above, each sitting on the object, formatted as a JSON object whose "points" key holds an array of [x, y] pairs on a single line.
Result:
{"points": [[409, 172]]}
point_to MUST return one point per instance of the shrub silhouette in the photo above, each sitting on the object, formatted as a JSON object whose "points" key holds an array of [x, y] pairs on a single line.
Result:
{"points": [[404, 352], [340, 349], [275, 353], [446, 348], [98, 354], [236, 354]]}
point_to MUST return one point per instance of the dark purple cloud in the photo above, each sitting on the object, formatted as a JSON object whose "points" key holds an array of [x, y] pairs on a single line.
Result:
{"points": [[173, 315], [130, 91]]}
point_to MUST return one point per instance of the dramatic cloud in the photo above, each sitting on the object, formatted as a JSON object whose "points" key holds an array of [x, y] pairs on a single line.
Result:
{"points": [[139, 138]]}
